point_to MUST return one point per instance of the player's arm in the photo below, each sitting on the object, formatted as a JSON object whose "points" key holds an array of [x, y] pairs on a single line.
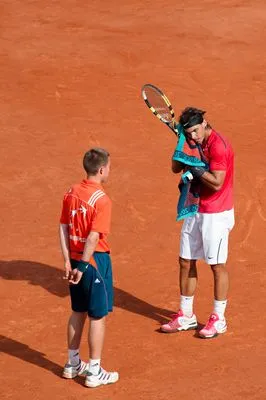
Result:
{"points": [[213, 179], [177, 166]]}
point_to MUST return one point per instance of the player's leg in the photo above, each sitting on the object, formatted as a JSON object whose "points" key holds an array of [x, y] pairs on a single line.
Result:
{"points": [[100, 303], [190, 250], [221, 281], [217, 322], [187, 277], [216, 229]]}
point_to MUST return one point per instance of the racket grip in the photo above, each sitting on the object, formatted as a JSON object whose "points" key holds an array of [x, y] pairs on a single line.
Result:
{"points": [[173, 128]]}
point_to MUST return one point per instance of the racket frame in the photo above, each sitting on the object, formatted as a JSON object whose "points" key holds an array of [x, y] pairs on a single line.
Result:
{"points": [[171, 124]]}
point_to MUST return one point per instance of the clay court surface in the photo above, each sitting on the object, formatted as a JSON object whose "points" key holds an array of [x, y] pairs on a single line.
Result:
{"points": [[70, 75]]}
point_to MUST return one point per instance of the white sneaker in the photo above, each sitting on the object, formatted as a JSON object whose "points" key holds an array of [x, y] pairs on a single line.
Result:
{"points": [[103, 378], [71, 371]]}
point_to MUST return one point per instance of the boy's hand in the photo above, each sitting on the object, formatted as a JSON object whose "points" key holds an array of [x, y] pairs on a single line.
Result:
{"points": [[68, 269], [76, 276]]}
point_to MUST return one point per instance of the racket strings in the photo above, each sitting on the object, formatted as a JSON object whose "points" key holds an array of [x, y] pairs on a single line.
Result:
{"points": [[159, 105]]}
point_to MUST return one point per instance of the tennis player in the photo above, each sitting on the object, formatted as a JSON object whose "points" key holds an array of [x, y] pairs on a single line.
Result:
{"points": [[205, 235]]}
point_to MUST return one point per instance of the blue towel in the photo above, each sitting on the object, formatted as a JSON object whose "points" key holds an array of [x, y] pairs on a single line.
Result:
{"points": [[188, 153]]}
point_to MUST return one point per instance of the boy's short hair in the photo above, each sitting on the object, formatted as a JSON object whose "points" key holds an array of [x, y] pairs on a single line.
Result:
{"points": [[191, 116], [94, 159]]}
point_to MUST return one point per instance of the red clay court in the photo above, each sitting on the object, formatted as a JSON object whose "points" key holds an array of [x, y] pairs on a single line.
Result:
{"points": [[71, 73]]}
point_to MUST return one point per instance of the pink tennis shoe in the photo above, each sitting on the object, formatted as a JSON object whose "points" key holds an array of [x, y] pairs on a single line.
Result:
{"points": [[214, 327], [180, 322]]}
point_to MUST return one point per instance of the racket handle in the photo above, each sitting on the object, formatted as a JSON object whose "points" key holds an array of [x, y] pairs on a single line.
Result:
{"points": [[173, 127]]}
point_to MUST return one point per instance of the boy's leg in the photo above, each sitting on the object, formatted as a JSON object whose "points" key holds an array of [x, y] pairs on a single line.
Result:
{"points": [[95, 342], [75, 327], [96, 337], [101, 302], [96, 375]]}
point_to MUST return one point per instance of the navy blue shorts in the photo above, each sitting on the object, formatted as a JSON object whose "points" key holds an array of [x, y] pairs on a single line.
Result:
{"points": [[94, 293]]}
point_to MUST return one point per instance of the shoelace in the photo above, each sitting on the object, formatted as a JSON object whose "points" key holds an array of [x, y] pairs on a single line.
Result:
{"points": [[210, 322], [174, 318]]}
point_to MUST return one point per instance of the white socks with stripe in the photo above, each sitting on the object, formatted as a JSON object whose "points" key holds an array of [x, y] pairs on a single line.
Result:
{"points": [[219, 308], [73, 357], [94, 366], [186, 305]]}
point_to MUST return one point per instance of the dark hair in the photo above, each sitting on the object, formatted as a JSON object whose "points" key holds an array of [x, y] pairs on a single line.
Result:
{"points": [[191, 116], [94, 159]]}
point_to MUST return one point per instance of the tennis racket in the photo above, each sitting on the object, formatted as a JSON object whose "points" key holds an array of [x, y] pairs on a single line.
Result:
{"points": [[159, 105]]}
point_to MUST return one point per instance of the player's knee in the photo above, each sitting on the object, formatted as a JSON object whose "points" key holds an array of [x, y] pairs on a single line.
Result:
{"points": [[184, 263], [218, 268]]}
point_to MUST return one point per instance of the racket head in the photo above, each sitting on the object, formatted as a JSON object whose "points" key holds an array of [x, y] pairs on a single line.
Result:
{"points": [[158, 103]]}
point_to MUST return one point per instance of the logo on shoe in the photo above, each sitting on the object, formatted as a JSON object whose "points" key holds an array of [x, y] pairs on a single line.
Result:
{"points": [[220, 325]]}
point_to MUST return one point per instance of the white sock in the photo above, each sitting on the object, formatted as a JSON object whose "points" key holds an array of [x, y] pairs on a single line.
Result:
{"points": [[73, 357], [219, 307], [94, 366], [186, 305]]}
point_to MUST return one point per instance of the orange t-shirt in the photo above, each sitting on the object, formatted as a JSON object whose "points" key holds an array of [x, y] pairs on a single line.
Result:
{"points": [[86, 208]]}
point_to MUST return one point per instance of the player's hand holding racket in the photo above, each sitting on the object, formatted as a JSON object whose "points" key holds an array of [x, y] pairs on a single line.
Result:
{"points": [[159, 105]]}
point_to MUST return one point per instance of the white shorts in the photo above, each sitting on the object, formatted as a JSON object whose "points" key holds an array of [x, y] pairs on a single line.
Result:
{"points": [[206, 236]]}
